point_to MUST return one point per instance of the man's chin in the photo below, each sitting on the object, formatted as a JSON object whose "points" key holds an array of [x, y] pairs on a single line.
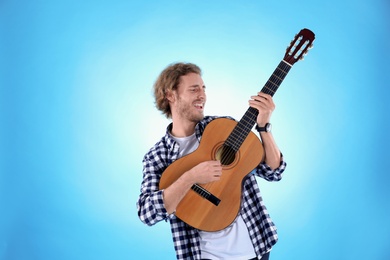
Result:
{"points": [[198, 118]]}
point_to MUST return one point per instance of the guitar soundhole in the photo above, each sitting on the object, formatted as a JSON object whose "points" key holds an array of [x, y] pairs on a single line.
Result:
{"points": [[226, 155]]}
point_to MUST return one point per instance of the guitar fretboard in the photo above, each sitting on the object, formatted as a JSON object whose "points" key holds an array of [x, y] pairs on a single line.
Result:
{"points": [[244, 126]]}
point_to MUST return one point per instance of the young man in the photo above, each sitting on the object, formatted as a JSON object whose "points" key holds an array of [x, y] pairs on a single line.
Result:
{"points": [[180, 95]]}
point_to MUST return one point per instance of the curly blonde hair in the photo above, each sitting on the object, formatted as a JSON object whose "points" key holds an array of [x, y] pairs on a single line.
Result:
{"points": [[168, 81]]}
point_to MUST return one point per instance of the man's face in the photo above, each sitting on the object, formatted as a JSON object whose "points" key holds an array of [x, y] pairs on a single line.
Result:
{"points": [[190, 98]]}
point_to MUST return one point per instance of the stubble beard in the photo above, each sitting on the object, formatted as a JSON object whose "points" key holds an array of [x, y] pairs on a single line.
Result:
{"points": [[187, 111]]}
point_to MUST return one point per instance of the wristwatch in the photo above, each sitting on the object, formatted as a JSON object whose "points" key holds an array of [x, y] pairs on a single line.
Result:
{"points": [[267, 128]]}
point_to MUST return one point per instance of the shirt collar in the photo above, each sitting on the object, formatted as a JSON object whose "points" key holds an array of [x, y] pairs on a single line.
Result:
{"points": [[199, 128]]}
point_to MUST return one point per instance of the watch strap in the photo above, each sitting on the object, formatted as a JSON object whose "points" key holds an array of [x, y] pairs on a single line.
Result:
{"points": [[263, 128]]}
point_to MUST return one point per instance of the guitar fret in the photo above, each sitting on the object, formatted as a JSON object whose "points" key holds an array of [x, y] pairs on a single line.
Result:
{"points": [[270, 89], [277, 77]]}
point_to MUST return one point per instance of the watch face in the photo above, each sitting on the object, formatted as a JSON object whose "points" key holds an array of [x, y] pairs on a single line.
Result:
{"points": [[268, 127]]}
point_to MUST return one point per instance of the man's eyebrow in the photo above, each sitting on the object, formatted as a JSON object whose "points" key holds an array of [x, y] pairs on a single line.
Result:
{"points": [[197, 86]]}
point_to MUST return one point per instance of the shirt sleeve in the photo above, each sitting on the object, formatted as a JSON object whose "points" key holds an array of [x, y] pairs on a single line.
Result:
{"points": [[265, 171], [150, 204]]}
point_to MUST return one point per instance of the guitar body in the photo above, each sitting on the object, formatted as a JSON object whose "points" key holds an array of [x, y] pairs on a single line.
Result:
{"points": [[197, 211]]}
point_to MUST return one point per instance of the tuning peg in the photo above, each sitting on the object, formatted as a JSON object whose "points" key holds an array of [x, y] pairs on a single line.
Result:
{"points": [[310, 46]]}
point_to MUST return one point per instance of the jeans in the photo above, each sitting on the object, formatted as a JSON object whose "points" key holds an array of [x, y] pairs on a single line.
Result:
{"points": [[264, 257]]}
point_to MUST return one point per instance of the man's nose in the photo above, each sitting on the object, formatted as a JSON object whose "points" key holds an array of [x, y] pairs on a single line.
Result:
{"points": [[202, 94]]}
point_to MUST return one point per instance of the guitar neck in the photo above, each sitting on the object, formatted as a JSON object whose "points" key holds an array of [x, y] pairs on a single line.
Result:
{"points": [[247, 122], [276, 78]]}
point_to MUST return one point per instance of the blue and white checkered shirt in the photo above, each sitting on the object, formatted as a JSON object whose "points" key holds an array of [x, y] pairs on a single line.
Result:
{"points": [[186, 239]]}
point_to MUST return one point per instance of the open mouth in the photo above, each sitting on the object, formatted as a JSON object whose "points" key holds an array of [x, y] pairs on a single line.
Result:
{"points": [[199, 105]]}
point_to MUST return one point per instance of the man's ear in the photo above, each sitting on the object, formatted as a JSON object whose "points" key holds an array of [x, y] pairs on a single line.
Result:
{"points": [[170, 96]]}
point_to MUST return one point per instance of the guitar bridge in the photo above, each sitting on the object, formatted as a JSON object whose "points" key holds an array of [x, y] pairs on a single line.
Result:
{"points": [[205, 194]]}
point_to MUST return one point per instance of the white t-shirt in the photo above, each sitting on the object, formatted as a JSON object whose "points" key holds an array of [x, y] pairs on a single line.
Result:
{"points": [[231, 243]]}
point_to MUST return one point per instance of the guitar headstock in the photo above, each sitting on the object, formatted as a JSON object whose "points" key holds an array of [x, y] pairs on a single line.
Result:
{"points": [[299, 46]]}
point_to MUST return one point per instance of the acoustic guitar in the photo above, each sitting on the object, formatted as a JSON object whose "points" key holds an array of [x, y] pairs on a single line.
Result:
{"points": [[214, 206]]}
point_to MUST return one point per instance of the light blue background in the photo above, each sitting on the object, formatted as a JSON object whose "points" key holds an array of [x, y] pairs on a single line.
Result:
{"points": [[77, 116]]}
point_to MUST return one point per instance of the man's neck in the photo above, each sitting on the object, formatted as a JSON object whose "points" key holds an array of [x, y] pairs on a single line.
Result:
{"points": [[182, 129]]}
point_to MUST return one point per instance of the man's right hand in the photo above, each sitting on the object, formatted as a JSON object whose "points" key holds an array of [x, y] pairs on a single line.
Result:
{"points": [[206, 172]]}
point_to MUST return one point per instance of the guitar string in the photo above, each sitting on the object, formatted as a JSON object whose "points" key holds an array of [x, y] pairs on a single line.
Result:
{"points": [[270, 88], [239, 134]]}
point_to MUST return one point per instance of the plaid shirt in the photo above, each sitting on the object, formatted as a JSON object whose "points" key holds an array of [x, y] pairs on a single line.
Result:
{"points": [[151, 210]]}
